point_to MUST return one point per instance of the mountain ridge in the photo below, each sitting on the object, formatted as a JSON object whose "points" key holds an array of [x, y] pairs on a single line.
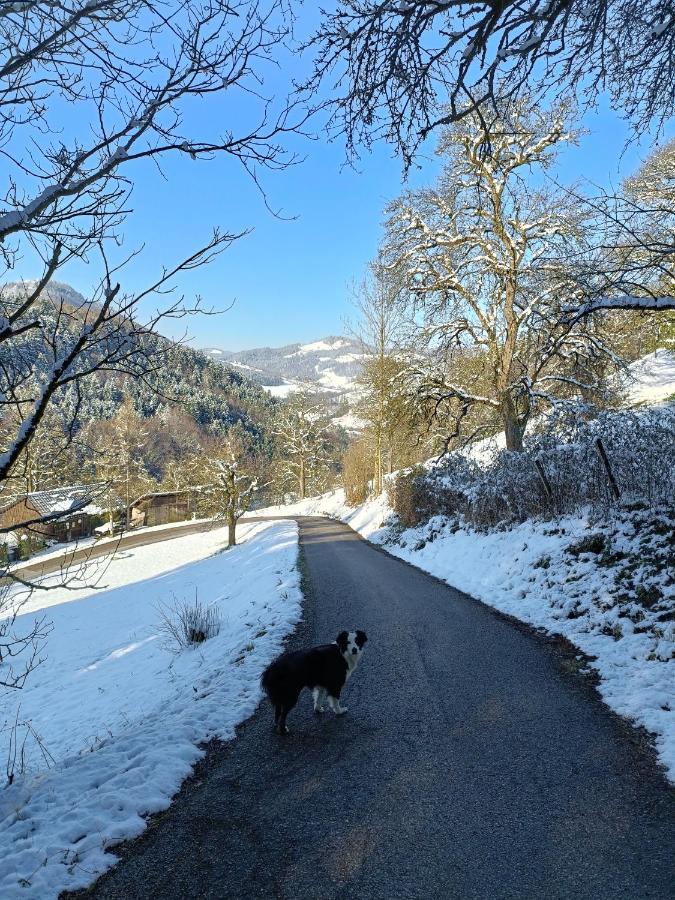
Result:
{"points": [[332, 364]]}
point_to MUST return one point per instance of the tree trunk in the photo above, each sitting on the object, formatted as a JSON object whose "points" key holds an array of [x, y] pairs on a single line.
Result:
{"points": [[231, 530], [512, 429], [378, 464], [303, 485], [127, 524]]}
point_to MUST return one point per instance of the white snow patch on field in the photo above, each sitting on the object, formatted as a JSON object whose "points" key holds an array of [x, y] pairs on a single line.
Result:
{"points": [[281, 390], [350, 422], [320, 345], [331, 380], [528, 572], [238, 365], [651, 379], [122, 717]]}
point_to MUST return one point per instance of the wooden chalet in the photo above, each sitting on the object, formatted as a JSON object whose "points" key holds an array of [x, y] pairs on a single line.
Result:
{"points": [[61, 514]]}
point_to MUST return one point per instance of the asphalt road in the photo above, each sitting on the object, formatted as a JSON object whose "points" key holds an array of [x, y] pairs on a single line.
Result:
{"points": [[472, 764]]}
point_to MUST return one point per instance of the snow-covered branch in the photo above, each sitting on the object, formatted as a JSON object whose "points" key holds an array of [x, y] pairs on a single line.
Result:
{"points": [[641, 304]]}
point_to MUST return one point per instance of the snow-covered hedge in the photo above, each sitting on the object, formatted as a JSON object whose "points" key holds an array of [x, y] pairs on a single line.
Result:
{"points": [[509, 487]]}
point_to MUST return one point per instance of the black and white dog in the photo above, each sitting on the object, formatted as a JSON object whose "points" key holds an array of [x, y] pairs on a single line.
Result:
{"points": [[324, 670]]}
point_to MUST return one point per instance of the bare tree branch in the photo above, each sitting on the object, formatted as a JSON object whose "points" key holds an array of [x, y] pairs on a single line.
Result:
{"points": [[399, 70]]}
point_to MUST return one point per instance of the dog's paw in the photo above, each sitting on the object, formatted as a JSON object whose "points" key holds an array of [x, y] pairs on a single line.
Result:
{"points": [[341, 711], [318, 710]]}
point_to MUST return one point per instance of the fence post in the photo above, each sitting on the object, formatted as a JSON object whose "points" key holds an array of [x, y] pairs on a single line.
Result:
{"points": [[544, 479], [608, 469]]}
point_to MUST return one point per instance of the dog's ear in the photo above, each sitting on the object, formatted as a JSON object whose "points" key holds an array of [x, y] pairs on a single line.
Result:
{"points": [[361, 638], [342, 640]]}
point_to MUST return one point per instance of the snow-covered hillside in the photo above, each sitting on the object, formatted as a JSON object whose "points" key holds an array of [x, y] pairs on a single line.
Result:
{"points": [[651, 379], [121, 717], [332, 364]]}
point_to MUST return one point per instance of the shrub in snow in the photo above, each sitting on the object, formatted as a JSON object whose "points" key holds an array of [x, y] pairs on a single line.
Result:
{"points": [[20, 735], [509, 488], [640, 447], [407, 493], [188, 623]]}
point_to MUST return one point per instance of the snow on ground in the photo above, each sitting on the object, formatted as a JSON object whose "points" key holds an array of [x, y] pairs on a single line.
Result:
{"points": [[651, 379], [332, 381], [55, 550], [121, 716], [614, 603], [350, 422], [350, 357], [238, 365], [281, 390], [317, 346]]}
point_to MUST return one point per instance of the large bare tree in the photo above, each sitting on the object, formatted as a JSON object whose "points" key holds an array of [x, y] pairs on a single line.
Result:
{"points": [[484, 254], [230, 489]]}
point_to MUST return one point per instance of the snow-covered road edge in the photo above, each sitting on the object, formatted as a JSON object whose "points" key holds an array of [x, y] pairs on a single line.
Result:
{"points": [[527, 572], [56, 826]]}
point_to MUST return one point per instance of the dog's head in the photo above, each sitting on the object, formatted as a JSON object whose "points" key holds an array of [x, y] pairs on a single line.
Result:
{"points": [[351, 644]]}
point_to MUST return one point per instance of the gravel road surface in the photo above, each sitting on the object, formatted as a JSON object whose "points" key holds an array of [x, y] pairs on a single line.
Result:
{"points": [[472, 764]]}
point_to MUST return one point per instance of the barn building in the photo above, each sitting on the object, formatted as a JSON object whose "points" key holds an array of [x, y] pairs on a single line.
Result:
{"points": [[160, 508]]}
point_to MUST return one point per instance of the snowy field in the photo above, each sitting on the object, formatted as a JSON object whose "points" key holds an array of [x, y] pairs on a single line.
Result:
{"points": [[55, 550], [616, 606], [651, 379], [120, 715], [281, 391]]}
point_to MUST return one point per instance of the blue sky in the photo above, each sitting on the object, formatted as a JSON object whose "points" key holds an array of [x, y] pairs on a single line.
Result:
{"points": [[290, 280]]}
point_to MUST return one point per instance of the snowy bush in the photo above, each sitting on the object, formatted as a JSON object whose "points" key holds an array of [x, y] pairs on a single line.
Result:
{"points": [[188, 623], [408, 494], [509, 488], [640, 447]]}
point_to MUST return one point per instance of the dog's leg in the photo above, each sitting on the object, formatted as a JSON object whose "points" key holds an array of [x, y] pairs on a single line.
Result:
{"points": [[280, 713], [281, 726], [318, 695], [334, 703]]}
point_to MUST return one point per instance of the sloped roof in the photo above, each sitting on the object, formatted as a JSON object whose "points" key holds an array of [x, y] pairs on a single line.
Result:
{"points": [[72, 499]]}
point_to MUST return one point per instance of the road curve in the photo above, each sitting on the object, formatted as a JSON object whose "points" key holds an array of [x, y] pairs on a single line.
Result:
{"points": [[40, 566], [471, 764]]}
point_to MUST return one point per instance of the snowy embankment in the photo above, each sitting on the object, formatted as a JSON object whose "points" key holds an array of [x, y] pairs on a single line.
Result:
{"points": [[121, 717], [607, 587]]}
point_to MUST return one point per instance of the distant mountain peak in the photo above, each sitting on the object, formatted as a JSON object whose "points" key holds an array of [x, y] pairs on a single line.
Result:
{"points": [[332, 364], [56, 291]]}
